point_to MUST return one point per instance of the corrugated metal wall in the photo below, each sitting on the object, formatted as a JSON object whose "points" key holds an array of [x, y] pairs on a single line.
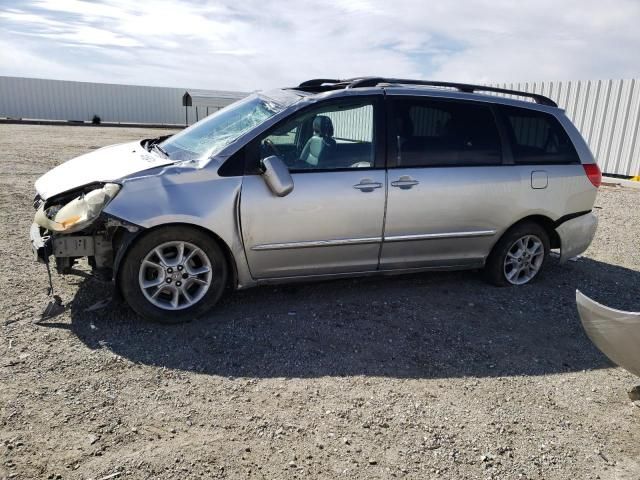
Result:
{"points": [[33, 98], [355, 124], [607, 113]]}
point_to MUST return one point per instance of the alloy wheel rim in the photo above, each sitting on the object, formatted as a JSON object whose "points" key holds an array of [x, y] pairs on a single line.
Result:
{"points": [[175, 275], [523, 260]]}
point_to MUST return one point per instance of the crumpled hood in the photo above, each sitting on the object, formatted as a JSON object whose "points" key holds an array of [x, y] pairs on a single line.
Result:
{"points": [[103, 165]]}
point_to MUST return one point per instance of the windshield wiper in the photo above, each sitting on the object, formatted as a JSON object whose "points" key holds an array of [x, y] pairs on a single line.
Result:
{"points": [[157, 147]]}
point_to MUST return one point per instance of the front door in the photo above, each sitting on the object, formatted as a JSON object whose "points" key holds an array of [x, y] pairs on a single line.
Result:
{"points": [[332, 220]]}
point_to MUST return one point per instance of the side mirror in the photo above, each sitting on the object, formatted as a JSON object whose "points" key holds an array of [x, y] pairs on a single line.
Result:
{"points": [[276, 175]]}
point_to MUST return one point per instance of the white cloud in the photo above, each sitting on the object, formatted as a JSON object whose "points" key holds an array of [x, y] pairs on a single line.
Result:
{"points": [[258, 44], [83, 36]]}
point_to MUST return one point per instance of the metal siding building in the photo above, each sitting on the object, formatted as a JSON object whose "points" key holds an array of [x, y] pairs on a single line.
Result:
{"points": [[33, 98], [607, 113]]}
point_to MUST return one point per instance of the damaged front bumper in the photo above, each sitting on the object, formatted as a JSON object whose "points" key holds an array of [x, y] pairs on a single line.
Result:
{"points": [[66, 249], [66, 246], [73, 225], [615, 332], [40, 244], [97, 244]]}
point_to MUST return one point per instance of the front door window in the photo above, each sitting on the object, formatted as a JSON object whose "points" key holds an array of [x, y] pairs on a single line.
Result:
{"points": [[332, 137]]}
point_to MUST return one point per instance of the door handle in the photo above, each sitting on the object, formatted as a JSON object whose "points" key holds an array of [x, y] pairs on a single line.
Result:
{"points": [[367, 185], [405, 182]]}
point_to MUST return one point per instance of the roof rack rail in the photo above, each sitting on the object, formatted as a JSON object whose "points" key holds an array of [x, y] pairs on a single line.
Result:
{"points": [[317, 82], [321, 85]]}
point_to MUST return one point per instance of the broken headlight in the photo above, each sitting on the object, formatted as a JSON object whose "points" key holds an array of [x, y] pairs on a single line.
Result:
{"points": [[79, 212]]}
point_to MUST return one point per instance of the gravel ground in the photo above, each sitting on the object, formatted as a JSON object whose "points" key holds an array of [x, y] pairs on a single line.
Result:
{"points": [[425, 376]]}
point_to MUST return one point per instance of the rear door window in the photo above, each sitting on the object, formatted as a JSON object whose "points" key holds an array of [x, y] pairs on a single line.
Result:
{"points": [[430, 133], [537, 137]]}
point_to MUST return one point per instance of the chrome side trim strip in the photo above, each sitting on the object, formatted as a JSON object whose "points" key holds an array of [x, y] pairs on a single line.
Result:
{"points": [[317, 243], [435, 236], [360, 241]]}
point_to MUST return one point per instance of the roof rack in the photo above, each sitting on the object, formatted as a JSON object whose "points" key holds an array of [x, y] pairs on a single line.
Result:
{"points": [[316, 82], [324, 84]]}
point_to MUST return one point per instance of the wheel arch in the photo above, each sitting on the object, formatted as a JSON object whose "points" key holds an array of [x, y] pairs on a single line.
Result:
{"points": [[126, 239], [494, 262], [545, 222]]}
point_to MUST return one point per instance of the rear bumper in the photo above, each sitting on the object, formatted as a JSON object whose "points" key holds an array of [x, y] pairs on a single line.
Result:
{"points": [[576, 235], [40, 246]]}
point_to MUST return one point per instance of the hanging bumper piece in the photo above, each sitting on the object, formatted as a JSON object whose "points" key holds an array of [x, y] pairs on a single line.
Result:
{"points": [[615, 332]]}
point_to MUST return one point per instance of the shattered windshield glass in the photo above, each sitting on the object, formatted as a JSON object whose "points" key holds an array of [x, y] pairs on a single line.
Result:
{"points": [[210, 135]]}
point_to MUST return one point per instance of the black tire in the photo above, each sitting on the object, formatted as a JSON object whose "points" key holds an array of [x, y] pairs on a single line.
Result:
{"points": [[494, 270], [128, 274]]}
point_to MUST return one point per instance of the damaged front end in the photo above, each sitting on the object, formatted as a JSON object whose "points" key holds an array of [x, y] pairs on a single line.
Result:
{"points": [[72, 225]]}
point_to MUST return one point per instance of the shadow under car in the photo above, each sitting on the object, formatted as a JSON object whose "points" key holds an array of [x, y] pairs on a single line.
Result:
{"points": [[432, 325]]}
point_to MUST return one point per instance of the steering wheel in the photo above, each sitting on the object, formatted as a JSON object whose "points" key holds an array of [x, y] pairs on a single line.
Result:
{"points": [[272, 147]]}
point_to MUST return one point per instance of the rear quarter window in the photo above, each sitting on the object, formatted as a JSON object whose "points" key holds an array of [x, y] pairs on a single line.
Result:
{"points": [[537, 137]]}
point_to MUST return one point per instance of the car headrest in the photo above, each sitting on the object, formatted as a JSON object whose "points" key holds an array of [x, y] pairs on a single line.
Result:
{"points": [[323, 126]]}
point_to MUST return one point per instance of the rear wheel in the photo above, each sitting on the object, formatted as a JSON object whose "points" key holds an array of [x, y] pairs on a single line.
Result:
{"points": [[173, 274], [519, 255]]}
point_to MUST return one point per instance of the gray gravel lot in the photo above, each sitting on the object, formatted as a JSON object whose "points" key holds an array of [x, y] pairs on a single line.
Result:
{"points": [[425, 376]]}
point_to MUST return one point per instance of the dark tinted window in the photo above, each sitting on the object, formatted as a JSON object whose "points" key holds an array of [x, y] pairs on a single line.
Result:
{"points": [[537, 137], [234, 165], [432, 133]]}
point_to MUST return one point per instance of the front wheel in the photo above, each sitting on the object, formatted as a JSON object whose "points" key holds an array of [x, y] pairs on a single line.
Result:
{"points": [[519, 255], [173, 274]]}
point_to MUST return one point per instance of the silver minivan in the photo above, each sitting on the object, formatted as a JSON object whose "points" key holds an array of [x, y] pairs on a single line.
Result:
{"points": [[329, 179]]}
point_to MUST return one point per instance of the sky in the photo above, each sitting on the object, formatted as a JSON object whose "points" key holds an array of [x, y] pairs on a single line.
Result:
{"points": [[246, 45]]}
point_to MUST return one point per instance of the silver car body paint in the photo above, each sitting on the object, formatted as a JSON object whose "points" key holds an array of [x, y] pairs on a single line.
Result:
{"points": [[193, 196], [450, 204], [343, 223], [276, 175], [576, 235], [615, 332], [329, 226]]}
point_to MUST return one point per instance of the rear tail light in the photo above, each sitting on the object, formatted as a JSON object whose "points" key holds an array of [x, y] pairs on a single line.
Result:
{"points": [[593, 173]]}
